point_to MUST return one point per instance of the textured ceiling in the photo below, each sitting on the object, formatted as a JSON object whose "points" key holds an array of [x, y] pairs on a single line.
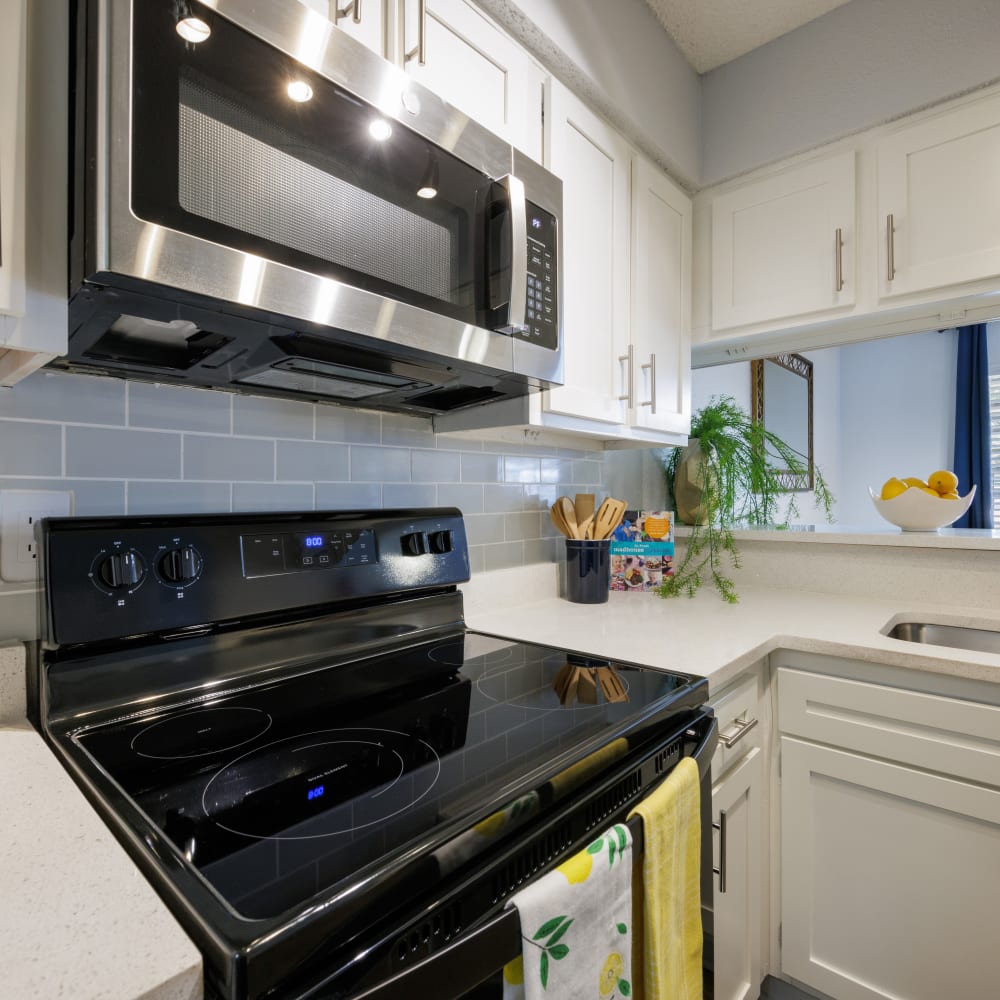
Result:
{"points": [[712, 32]]}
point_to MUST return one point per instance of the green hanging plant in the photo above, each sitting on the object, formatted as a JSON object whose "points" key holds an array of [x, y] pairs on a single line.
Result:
{"points": [[742, 487]]}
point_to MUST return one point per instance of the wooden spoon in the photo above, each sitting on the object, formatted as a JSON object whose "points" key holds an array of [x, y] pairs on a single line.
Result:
{"points": [[608, 517], [568, 512], [556, 516], [584, 504]]}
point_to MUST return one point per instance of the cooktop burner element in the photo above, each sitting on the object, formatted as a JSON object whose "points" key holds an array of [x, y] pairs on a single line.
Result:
{"points": [[362, 768], [201, 733], [323, 772]]}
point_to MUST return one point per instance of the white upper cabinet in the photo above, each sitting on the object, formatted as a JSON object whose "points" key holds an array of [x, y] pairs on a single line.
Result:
{"points": [[451, 48], [594, 162], [661, 301], [785, 245], [939, 200], [364, 20]]}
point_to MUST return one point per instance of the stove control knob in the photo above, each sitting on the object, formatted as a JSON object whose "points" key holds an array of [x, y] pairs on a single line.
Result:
{"points": [[414, 544], [122, 570], [440, 542], [181, 565]]}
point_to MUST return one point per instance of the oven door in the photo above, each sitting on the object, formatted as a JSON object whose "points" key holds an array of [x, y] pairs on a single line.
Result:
{"points": [[254, 154], [470, 968]]}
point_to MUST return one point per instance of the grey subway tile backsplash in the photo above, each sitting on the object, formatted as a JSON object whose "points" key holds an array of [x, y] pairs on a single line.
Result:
{"points": [[409, 495], [30, 449], [166, 498], [262, 416], [481, 468], [435, 466], [231, 459], [57, 396], [132, 447], [348, 496], [112, 453], [273, 496], [313, 461], [380, 465], [336, 423], [175, 407]]}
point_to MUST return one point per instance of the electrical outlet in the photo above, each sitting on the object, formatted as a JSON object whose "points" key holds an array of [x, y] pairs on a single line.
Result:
{"points": [[19, 511]]}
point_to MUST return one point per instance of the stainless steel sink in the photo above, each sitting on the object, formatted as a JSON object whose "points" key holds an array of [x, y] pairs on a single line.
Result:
{"points": [[983, 640]]}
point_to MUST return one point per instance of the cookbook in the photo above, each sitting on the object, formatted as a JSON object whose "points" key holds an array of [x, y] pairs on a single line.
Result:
{"points": [[642, 550]]}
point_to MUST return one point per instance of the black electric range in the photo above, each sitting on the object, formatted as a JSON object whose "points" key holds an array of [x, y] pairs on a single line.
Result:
{"points": [[324, 773]]}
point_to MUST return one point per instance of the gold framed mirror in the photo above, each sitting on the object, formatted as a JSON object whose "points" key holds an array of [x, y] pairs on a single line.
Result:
{"points": [[781, 398]]}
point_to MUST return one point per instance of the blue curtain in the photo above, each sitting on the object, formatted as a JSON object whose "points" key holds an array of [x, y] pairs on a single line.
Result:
{"points": [[972, 426]]}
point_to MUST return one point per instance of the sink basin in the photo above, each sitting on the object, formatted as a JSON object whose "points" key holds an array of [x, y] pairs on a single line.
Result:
{"points": [[983, 640]]}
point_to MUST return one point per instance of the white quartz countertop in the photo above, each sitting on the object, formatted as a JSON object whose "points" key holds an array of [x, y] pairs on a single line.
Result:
{"points": [[77, 919], [705, 636]]}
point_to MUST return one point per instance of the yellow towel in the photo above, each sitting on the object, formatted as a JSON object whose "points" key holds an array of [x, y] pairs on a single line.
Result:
{"points": [[671, 819]]}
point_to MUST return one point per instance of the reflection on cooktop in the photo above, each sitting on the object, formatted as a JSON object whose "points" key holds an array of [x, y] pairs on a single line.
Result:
{"points": [[202, 732]]}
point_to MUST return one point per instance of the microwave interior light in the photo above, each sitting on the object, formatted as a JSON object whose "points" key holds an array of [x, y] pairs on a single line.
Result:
{"points": [[379, 129], [299, 91], [193, 29]]}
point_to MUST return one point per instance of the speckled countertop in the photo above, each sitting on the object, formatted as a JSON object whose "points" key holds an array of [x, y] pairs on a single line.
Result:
{"points": [[707, 637], [77, 918]]}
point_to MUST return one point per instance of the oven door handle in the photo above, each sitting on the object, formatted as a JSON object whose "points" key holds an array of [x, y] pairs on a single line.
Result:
{"points": [[469, 959], [473, 956]]}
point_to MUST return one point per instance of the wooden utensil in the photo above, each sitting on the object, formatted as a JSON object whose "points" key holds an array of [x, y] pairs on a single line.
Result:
{"points": [[608, 517], [556, 516], [586, 527], [584, 504], [568, 512], [611, 684], [586, 691]]}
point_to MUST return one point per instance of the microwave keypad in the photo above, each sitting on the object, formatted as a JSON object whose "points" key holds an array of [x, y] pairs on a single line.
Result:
{"points": [[542, 315]]}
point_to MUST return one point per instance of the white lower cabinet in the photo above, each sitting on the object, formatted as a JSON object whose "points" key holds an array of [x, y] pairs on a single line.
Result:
{"points": [[737, 846], [890, 833]]}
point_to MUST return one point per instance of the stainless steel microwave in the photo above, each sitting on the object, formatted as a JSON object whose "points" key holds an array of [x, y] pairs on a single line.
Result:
{"points": [[262, 204]]}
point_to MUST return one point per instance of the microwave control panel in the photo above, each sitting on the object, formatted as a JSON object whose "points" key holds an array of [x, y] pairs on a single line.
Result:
{"points": [[542, 315]]}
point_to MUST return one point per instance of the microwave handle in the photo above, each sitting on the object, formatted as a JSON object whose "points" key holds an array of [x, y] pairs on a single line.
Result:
{"points": [[518, 302]]}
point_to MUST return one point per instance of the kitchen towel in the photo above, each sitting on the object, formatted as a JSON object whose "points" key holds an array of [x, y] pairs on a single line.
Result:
{"points": [[671, 819], [576, 925]]}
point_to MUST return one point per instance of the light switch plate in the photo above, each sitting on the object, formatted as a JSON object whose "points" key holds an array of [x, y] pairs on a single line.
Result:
{"points": [[19, 511]]}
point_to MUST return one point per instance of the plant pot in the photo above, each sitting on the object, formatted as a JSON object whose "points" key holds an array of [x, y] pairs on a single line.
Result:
{"points": [[689, 485]]}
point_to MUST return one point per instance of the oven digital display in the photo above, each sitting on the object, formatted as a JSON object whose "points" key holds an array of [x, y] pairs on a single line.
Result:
{"points": [[315, 793], [314, 541]]}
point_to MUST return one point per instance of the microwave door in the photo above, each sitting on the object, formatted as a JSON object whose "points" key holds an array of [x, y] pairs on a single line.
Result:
{"points": [[239, 144]]}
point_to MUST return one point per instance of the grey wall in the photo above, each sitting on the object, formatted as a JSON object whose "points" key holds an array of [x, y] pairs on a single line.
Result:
{"points": [[617, 56], [134, 448], [860, 65]]}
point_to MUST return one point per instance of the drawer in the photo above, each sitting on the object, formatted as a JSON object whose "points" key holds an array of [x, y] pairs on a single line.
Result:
{"points": [[929, 731], [737, 708]]}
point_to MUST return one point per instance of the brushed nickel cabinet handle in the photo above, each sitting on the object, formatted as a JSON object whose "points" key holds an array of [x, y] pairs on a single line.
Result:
{"points": [[420, 49], [353, 8], [721, 870], [651, 368], [838, 283], [740, 728], [629, 396], [890, 242]]}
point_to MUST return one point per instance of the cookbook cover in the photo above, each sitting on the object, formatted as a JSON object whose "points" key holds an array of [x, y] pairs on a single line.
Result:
{"points": [[642, 550]]}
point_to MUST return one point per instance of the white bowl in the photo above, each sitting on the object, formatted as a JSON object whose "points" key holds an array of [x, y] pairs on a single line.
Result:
{"points": [[916, 510]]}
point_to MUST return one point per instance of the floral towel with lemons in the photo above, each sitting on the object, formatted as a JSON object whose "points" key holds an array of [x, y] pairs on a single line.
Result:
{"points": [[576, 926]]}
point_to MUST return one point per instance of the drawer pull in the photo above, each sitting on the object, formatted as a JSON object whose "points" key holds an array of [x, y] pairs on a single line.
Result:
{"points": [[721, 870], [740, 728]]}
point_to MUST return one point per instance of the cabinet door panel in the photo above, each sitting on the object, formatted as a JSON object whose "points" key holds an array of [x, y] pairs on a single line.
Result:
{"points": [[594, 163], [938, 180], [774, 250], [661, 300], [737, 910], [889, 878], [477, 68]]}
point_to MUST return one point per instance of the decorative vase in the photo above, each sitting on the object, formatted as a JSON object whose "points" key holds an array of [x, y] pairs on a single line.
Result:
{"points": [[689, 484]]}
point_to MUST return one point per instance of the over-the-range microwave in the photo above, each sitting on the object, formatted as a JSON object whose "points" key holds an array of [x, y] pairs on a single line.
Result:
{"points": [[262, 204]]}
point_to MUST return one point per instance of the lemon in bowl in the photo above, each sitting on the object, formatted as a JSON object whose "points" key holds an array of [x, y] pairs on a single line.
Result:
{"points": [[921, 507]]}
